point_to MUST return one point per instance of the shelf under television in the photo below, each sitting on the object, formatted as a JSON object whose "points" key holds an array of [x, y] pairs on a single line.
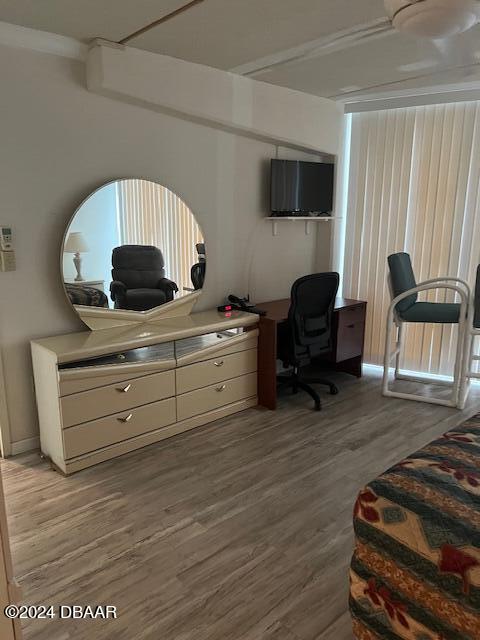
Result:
{"points": [[306, 219]]}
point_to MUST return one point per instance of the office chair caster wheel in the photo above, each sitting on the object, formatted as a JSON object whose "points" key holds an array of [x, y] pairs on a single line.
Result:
{"points": [[333, 390], [318, 406]]}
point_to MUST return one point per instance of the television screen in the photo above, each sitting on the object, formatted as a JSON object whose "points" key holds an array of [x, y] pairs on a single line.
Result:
{"points": [[302, 187]]}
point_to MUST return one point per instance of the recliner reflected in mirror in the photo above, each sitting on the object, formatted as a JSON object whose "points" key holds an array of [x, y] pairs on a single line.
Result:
{"points": [[138, 278]]}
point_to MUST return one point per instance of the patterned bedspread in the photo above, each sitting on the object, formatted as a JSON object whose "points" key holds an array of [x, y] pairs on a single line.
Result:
{"points": [[88, 296], [415, 573]]}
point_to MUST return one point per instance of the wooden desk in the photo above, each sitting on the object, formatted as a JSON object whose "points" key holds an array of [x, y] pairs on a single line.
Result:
{"points": [[348, 340]]}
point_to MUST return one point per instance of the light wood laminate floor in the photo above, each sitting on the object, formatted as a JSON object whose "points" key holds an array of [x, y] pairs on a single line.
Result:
{"points": [[240, 530]]}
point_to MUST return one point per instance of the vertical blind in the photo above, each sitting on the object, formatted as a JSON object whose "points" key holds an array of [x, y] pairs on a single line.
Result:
{"points": [[414, 186], [150, 214]]}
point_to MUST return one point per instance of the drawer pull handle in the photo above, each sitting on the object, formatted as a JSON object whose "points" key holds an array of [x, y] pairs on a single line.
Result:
{"points": [[125, 389], [127, 419], [350, 326], [219, 364], [222, 388]]}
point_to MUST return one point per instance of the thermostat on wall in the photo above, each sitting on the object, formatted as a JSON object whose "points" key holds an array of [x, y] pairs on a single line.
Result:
{"points": [[6, 239], [7, 254]]}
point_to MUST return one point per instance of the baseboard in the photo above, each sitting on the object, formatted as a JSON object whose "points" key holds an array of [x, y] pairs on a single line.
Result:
{"points": [[22, 446], [378, 368]]}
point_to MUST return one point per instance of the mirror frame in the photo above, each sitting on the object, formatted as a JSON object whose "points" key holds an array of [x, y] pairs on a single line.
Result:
{"points": [[96, 318]]}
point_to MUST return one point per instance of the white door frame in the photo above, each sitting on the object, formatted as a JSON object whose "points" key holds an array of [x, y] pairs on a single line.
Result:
{"points": [[9, 590], [5, 434]]}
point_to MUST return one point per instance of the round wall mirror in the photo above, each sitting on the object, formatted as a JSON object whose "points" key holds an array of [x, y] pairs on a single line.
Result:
{"points": [[132, 246]]}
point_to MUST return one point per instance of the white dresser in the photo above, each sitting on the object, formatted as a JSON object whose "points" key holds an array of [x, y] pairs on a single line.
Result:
{"points": [[101, 394]]}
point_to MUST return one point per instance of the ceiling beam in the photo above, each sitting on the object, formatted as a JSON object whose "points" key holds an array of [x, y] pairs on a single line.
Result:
{"points": [[401, 87], [13, 35], [418, 98], [325, 45]]}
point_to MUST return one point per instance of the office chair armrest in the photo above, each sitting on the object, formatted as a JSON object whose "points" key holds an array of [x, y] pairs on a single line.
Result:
{"points": [[117, 289]]}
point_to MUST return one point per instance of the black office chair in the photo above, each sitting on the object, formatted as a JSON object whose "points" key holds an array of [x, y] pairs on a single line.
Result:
{"points": [[197, 272], [308, 331]]}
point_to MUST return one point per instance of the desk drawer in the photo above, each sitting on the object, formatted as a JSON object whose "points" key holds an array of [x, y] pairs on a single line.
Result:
{"points": [[104, 401], [216, 396], [101, 433], [203, 374], [350, 337], [351, 316]]}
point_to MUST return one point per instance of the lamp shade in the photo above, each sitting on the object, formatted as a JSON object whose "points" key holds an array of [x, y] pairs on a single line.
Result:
{"points": [[75, 243]]}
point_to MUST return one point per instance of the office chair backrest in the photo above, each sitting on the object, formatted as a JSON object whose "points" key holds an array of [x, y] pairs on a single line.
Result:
{"points": [[311, 311], [138, 266], [198, 270], [402, 279], [197, 275], [200, 247]]}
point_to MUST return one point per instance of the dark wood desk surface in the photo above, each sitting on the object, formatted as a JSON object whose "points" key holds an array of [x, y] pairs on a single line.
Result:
{"points": [[277, 310], [348, 338]]}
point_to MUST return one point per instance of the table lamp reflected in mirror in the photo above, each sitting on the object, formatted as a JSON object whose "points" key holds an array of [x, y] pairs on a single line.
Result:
{"points": [[76, 244]]}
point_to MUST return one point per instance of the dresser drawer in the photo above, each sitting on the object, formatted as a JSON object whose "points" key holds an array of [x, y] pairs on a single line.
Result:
{"points": [[140, 355], [216, 396], [104, 401], [203, 374], [213, 345], [106, 431], [76, 384]]}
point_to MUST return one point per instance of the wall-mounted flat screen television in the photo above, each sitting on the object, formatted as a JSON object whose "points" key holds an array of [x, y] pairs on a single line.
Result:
{"points": [[301, 188]]}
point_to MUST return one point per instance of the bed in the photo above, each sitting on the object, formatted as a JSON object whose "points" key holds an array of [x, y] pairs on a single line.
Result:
{"points": [[86, 296], [415, 572]]}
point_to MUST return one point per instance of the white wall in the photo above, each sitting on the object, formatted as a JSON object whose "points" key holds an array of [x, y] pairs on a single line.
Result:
{"points": [[60, 142]]}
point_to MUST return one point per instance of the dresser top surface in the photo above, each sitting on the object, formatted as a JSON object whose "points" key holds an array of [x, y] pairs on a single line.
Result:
{"points": [[85, 344]]}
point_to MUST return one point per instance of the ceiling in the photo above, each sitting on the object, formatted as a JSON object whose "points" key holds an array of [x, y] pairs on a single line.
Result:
{"points": [[331, 48]]}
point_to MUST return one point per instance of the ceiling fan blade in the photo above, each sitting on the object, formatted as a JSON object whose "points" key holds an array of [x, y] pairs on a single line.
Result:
{"points": [[456, 52], [445, 51]]}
